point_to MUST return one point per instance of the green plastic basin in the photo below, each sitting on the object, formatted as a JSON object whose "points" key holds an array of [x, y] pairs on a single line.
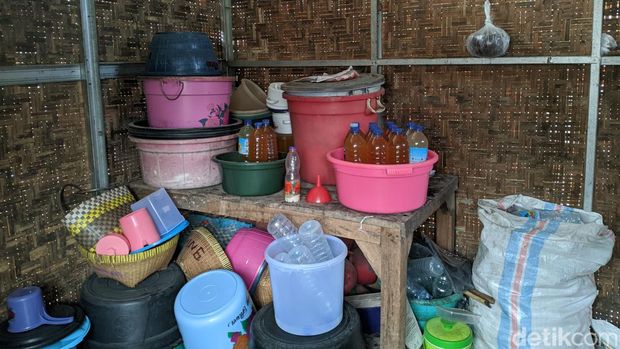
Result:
{"points": [[249, 178]]}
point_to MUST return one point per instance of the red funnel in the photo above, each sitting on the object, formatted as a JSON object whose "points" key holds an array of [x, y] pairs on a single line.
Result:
{"points": [[318, 194]]}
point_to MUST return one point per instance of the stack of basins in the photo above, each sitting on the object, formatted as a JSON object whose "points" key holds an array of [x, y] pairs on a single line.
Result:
{"points": [[187, 101]]}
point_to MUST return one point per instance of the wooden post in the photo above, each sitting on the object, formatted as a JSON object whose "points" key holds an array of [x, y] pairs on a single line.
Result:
{"points": [[445, 221]]}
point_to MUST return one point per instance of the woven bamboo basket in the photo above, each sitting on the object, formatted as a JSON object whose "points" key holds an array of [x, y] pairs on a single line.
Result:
{"points": [[133, 268], [262, 295], [202, 253]]}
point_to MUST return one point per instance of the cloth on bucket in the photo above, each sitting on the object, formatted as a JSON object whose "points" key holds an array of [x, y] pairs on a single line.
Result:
{"points": [[347, 74]]}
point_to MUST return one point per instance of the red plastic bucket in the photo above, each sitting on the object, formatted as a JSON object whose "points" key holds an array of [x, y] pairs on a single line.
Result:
{"points": [[320, 124], [188, 102], [381, 188]]}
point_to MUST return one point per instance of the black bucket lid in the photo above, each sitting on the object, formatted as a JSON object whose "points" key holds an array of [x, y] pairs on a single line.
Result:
{"points": [[45, 334], [365, 83], [141, 129]]}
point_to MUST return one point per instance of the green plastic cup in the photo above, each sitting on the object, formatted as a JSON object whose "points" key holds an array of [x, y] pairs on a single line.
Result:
{"points": [[443, 334], [250, 178]]}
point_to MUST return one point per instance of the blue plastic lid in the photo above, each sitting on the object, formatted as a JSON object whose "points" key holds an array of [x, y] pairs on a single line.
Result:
{"points": [[419, 128], [210, 293], [411, 125], [356, 124], [377, 131], [258, 124], [267, 122], [355, 130], [247, 122]]}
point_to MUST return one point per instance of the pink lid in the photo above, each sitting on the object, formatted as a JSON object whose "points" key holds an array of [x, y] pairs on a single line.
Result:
{"points": [[246, 251], [113, 245]]}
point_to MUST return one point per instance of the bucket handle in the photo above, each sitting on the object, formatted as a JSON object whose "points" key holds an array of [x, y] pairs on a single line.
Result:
{"points": [[380, 106], [62, 200], [399, 171], [161, 85]]}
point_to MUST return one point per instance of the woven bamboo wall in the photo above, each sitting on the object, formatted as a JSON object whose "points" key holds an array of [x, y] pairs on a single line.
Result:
{"points": [[438, 28], [125, 27], [39, 32], [124, 103], [607, 194], [611, 21], [290, 30], [43, 144]]}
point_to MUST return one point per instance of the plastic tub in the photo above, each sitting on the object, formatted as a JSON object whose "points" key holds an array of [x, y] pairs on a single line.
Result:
{"points": [[320, 124], [308, 299], [425, 310], [381, 188], [181, 54], [141, 129], [250, 178], [246, 251], [188, 102], [213, 310], [164, 212], [182, 164]]}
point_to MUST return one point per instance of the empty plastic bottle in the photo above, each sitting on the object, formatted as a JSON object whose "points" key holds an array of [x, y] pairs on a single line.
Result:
{"points": [[418, 145], [356, 148], [401, 147], [292, 180], [301, 255], [442, 287], [281, 227], [313, 237], [244, 139]]}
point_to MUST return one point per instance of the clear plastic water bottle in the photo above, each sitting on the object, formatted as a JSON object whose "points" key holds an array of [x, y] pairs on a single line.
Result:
{"points": [[442, 287], [244, 139], [301, 255], [282, 228], [292, 180], [313, 237]]}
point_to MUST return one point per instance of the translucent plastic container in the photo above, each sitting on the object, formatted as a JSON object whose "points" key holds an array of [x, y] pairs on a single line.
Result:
{"points": [[161, 208], [308, 298]]}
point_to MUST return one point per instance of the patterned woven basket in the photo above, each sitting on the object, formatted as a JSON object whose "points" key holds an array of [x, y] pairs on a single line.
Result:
{"points": [[133, 268], [262, 295], [201, 253]]}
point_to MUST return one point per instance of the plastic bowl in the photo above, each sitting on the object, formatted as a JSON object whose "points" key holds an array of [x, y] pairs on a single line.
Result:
{"points": [[181, 54], [250, 178], [141, 129], [426, 310]]}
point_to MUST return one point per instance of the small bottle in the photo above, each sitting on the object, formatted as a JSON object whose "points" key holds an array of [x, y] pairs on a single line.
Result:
{"points": [[292, 180], [272, 141], [254, 144], [418, 145], [356, 148], [401, 147], [378, 148], [244, 139], [313, 237]]}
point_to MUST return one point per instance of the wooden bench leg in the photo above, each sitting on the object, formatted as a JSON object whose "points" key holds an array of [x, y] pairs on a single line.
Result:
{"points": [[394, 250], [445, 221]]}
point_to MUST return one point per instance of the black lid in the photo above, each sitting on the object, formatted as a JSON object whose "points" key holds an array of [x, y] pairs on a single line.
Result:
{"points": [[44, 334], [364, 81]]}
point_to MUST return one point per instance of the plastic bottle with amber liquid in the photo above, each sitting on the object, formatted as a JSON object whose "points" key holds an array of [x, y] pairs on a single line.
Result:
{"points": [[381, 152], [254, 142], [355, 147], [271, 141], [401, 146]]}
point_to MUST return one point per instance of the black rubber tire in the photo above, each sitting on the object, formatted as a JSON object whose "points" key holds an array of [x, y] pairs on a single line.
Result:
{"points": [[45, 334], [139, 318], [265, 333]]}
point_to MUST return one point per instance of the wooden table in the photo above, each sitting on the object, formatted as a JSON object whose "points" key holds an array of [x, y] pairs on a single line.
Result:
{"points": [[384, 239]]}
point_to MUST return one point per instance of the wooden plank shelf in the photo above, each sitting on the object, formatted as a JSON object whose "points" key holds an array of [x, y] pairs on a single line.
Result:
{"points": [[384, 239]]}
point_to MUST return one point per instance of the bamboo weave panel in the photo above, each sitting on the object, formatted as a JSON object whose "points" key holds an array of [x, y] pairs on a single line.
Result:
{"points": [[40, 32], [607, 193], [438, 28], [611, 21], [294, 30], [43, 145], [125, 27], [123, 103]]}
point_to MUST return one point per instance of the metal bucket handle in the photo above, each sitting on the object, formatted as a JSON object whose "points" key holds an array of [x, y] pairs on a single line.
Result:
{"points": [[161, 85], [62, 200], [380, 106]]}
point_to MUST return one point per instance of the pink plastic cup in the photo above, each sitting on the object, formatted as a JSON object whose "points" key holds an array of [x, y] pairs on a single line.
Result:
{"points": [[139, 228], [113, 245]]}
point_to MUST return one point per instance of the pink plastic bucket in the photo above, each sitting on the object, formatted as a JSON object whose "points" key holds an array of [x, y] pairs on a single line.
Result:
{"points": [[381, 188], [182, 164], [188, 102], [246, 251], [320, 124]]}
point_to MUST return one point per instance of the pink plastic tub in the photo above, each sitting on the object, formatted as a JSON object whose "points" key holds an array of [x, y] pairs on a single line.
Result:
{"points": [[182, 164], [381, 188], [246, 251], [188, 102]]}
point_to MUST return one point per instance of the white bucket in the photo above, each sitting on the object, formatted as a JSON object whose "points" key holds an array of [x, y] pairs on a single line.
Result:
{"points": [[275, 101], [282, 122]]}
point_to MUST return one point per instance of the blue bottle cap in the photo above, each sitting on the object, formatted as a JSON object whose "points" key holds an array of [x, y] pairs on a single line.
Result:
{"points": [[411, 125], [247, 122], [291, 148]]}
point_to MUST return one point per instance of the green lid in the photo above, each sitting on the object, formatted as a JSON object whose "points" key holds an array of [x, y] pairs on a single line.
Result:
{"points": [[448, 334]]}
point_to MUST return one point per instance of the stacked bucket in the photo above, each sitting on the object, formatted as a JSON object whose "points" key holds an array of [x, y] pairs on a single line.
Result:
{"points": [[188, 123]]}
